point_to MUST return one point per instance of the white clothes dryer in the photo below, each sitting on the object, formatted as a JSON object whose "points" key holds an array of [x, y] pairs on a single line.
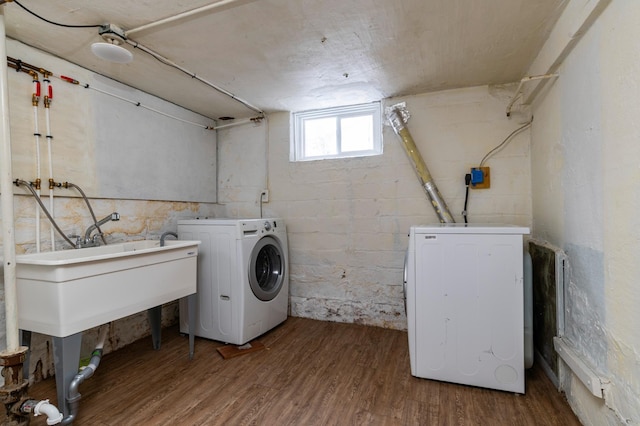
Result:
{"points": [[465, 304], [243, 277]]}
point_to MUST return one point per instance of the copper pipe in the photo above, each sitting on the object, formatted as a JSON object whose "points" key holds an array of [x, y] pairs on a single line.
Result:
{"points": [[21, 64]]}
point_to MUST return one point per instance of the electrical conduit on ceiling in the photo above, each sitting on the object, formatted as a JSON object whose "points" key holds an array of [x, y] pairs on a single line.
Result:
{"points": [[125, 36], [115, 35], [183, 15], [191, 74]]}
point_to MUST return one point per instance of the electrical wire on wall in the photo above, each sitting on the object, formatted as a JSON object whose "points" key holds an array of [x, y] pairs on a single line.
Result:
{"points": [[55, 23], [504, 143], [467, 181]]}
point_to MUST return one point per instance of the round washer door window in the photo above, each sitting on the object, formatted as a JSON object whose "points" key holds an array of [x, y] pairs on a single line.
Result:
{"points": [[266, 269]]}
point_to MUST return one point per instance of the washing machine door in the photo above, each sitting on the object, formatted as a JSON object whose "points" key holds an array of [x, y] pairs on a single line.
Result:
{"points": [[266, 268]]}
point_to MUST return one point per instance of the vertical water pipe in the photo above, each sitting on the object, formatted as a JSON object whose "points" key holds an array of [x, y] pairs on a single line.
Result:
{"points": [[13, 357], [48, 97], [397, 116], [14, 392], [6, 201], [35, 100]]}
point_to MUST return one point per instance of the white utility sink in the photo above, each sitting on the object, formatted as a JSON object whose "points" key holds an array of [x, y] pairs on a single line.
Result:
{"points": [[65, 292]]}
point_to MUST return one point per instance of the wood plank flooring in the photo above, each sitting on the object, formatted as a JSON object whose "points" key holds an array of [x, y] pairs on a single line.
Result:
{"points": [[311, 373]]}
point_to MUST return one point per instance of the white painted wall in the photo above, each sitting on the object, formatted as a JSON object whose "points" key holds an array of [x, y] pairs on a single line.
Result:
{"points": [[348, 219], [76, 142], [100, 141], [585, 170], [242, 169]]}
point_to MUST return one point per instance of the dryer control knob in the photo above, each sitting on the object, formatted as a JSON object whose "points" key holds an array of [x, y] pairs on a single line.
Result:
{"points": [[267, 226]]}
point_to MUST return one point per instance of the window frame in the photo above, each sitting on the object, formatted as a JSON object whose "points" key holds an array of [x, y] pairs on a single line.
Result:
{"points": [[374, 109]]}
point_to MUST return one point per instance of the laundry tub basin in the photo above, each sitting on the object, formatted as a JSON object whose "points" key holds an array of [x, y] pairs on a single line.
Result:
{"points": [[65, 292]]}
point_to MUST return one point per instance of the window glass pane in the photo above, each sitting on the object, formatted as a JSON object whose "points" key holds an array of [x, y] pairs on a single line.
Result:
{"points": [[357, 133], [340, 132], [320, 137]]}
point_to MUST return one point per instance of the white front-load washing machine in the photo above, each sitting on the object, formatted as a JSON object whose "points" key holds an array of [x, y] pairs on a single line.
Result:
{"points": [[243, 277]]}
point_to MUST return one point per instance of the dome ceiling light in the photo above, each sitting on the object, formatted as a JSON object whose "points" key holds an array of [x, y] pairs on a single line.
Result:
{"points": [[111, 49]]}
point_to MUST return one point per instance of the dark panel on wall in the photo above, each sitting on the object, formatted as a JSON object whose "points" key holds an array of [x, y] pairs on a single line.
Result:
{"points": [[545, 321]]}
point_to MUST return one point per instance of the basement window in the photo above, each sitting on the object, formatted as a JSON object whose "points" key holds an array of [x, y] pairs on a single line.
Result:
{"points": [[341, 132]]}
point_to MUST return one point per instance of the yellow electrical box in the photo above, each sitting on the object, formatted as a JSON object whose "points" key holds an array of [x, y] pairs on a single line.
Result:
{"points": [[480, 178]]}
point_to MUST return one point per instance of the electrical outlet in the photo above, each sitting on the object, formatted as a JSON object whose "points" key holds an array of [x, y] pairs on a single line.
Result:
{"points": [[264, 196], [480, 178]]}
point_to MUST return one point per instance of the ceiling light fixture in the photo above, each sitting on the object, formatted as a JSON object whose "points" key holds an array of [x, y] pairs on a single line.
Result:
{"points": [[110, 50]]}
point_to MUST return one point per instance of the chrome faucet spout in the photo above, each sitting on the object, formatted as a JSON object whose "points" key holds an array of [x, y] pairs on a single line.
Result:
{"points": [[115, 216]]}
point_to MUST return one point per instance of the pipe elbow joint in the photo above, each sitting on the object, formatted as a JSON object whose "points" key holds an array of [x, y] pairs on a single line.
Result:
{"points": [[54, 416], [165, 235]]}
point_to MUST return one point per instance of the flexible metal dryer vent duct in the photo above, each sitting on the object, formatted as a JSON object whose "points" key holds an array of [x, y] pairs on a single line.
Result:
{"points": [[398, 116]]}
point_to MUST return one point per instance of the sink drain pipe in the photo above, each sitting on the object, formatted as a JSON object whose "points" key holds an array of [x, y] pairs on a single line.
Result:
{"points": [[73, 398], [398, 116]]}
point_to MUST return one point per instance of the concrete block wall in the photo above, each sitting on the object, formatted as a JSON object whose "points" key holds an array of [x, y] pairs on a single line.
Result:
{"points": [[348, 219]]}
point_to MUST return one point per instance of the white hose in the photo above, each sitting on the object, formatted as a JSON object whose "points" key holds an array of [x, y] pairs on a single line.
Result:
{"points": [[54, 416], [102, 337]]}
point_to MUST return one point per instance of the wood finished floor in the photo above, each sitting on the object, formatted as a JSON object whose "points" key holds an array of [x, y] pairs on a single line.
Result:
{"points": [[312, 373]]}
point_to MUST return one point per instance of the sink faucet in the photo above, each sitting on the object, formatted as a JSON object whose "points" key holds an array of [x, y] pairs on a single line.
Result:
{"points": [[165, 235], [90, 241]]}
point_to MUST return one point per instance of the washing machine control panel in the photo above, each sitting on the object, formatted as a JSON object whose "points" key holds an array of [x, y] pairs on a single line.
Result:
{"points": [[259, 227]]}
